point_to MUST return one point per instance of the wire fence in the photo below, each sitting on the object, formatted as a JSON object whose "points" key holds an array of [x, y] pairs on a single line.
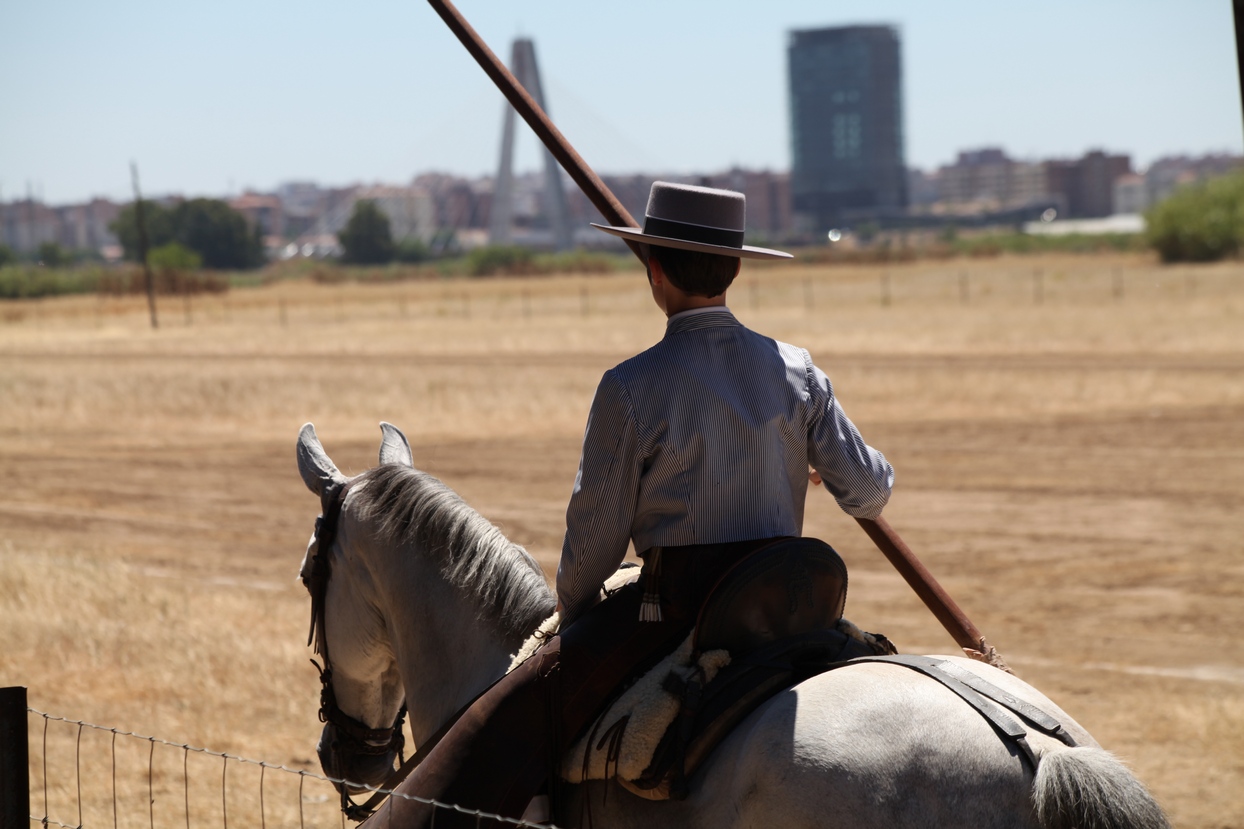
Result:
{"points": [[131, 790], [797, 289]]}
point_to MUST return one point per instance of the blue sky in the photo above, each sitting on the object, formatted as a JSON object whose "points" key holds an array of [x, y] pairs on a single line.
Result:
{"points": [[211, 98]]}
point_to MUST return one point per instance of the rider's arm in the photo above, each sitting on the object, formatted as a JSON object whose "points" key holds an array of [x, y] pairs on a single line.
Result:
{"points": [[602, 506], [857, 475]]}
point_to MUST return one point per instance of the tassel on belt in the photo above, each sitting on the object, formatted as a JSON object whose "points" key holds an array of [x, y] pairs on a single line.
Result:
{"points": [[650, 606]]}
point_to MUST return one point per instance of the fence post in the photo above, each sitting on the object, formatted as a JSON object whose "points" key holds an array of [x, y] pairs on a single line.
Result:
{"points": [[14, 759]]}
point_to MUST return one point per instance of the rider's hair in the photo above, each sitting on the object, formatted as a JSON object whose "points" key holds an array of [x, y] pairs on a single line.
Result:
{"points": [[696, 273]]}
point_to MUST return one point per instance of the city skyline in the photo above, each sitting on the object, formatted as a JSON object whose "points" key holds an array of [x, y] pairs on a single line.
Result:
{"points": [[318, 92]]}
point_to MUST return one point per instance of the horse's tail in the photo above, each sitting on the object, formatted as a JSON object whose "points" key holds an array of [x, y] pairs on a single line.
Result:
{"points": [[1089, 788]]}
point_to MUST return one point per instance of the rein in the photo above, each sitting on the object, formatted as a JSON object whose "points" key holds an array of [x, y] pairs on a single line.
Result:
{"points": [[348, 731]]}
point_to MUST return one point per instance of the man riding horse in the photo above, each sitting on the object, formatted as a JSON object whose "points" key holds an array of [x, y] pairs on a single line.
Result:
{"points": [[697, 451]]}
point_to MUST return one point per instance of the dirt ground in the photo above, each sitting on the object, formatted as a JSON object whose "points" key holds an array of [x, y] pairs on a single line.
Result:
{"points": [[1068, 435]]}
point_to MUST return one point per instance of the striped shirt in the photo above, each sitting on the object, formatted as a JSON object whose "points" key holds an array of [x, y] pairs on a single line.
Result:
{"points": [[707, 438]]}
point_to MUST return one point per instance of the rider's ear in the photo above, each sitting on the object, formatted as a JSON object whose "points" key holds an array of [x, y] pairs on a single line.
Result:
{"points": [[313, 463], [394, 448]]}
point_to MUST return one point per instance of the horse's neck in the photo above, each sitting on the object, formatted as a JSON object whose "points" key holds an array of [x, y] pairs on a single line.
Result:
{"points": [[445, 652]]}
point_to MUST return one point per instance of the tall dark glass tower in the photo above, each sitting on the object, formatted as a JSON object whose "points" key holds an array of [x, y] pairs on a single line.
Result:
{"points": [[846, 124]]}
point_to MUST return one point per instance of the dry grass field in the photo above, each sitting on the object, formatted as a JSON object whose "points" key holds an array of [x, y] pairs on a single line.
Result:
{"points": [[1068, 435]]}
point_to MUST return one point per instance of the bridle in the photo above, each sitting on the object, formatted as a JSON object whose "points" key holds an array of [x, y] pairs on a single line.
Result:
{"points": [[348, 733]]}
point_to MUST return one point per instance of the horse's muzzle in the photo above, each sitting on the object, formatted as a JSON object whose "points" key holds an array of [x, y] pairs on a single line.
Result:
{"points": [[345, 758]]}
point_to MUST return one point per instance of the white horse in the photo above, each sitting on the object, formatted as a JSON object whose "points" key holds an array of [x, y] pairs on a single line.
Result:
{"points": [[428, 601]]}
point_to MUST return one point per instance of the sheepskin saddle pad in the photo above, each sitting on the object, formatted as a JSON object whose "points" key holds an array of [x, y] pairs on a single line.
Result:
{"points": [[658, 731], [660, 728]]}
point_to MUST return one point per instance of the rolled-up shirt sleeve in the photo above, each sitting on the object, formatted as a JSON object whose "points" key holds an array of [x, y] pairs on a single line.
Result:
{"points": [[602, 506], [857, 475]]}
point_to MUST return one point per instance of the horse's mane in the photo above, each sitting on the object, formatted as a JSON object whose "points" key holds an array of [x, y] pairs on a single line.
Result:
{"points": [[407, 506]]}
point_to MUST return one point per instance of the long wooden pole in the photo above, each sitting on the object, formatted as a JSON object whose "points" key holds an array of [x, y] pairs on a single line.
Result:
{"points": [[883, 535], [583, 175], [934, 596]]}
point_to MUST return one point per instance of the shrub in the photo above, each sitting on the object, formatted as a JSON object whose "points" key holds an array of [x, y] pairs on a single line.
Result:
{"points": [[995, 244], [510, 260], [1199, 223], [413, 251], [53, 255], [174, 257], [582, 262], [30, 282]]}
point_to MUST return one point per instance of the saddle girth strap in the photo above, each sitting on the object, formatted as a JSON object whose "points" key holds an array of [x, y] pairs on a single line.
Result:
{"points": [[1030, 713], [985, 698]]}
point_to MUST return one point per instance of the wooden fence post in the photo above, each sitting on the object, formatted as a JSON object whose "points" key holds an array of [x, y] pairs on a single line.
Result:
{"points": [[14, 759]]}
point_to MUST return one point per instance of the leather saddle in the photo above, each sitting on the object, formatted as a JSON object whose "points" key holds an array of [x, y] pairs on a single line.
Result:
{"points": [[778, 614], [786, 588]]}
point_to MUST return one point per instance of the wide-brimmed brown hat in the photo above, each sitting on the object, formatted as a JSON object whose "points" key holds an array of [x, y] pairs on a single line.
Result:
{"points": [[694, 218]]}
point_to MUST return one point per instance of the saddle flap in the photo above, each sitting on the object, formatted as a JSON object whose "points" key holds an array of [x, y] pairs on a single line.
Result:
{"points": [[789, 588]]}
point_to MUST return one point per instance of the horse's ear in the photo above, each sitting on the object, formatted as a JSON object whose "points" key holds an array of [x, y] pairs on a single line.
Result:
{"points": [[313, 464], [394, 448]]}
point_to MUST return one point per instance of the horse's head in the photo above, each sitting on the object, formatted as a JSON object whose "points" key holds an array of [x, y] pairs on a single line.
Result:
{"points": [[362, 700]]}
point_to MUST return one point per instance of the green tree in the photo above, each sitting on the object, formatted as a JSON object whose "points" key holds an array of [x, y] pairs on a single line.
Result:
{"points": [[209, 227], [7, 256], [1199, 223], [218, 233], [366, 237], [160, 228]]}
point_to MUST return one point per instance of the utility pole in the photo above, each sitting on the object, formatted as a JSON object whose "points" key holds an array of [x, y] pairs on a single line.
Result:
{"points": [[31, 236], [142, 245]]}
